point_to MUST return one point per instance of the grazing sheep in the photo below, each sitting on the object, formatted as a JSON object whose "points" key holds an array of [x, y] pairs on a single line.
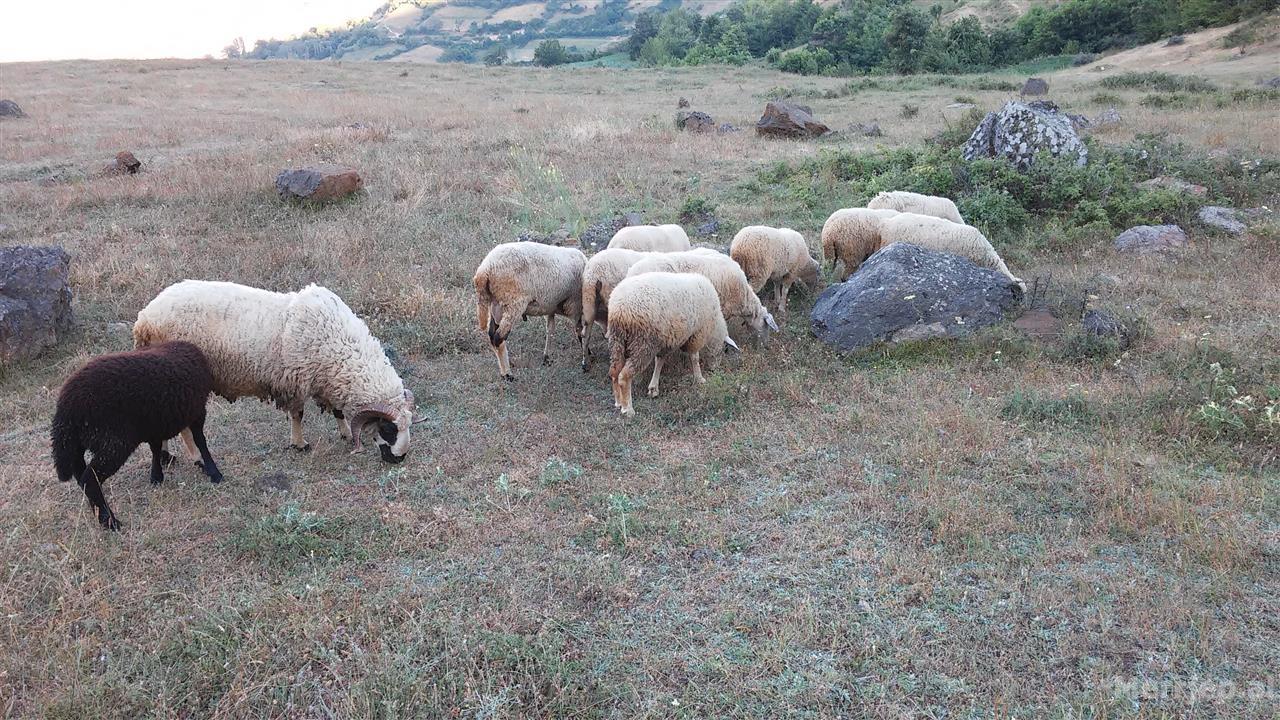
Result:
{"points": [[851, 236], [738, 301], [287, 348], [602, 273], [909, 202], [654, 314], [774, 254], [117, 402], [651, 238], [945, 236], [519, 279]]}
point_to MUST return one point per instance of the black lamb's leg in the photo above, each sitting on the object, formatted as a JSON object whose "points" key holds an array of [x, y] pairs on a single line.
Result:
{"points": [[158, 460], [206, 460], [103, 466]]}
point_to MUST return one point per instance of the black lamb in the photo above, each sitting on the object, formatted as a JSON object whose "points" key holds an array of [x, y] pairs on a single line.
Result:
{"points": [[117, 402]]}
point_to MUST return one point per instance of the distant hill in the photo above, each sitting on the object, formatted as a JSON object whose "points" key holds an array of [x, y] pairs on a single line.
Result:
{"points": [[465, 30]]}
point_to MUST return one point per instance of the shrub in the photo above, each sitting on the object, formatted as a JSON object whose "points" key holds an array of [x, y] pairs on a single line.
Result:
{"points": [[1157, 80], [909, 111]]}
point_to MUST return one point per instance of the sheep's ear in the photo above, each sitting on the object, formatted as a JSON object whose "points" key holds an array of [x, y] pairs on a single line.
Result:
{"points": [[729, 343], [768, 320]]}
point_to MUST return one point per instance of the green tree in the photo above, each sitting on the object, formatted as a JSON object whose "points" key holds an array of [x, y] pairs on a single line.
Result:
{"points": [[497, 55], [733, 45], [906, 39], [549, 53], [646, 28]]}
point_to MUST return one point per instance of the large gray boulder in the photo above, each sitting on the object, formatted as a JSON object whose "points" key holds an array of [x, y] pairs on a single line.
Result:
{"points": [[1020, 130], [905, 292], [1221, 218], [1151, 240], [35, 300], [9, 108]]}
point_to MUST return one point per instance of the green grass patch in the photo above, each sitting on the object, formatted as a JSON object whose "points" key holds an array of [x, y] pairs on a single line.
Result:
{"points": [[1071, 411], [1159, 81]]}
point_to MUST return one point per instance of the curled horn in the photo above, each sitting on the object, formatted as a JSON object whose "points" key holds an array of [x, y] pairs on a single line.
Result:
{"points": [[408, 398], [366, 415]]}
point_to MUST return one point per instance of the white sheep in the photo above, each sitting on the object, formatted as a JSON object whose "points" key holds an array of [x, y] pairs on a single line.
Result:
{"points": [[603, 272], [852, 235], [738, 301], [519, 279], [654, 314], [651, 238], [780, 255], [909, 202], [286, 348], [945, 236]]}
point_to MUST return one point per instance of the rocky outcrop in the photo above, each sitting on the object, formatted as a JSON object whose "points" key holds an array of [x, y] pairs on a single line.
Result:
{"points": [[905, 292], [789, 120], [9, 108], [1221, 218], [694, 121], [318, 183], [1151, 240], [35, 300], [1020, 130]]}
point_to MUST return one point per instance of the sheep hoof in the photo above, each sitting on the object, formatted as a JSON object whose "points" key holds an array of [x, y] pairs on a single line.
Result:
{"points": [[509, 377], [653, 392], [586, 366], [157, 478], [628, 412], [546, 360], [215, 477], [109, 522], [304, 448]]}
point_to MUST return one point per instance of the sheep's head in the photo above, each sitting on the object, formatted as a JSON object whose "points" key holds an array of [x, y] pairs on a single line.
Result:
{"points": [[760, 318], [811, 275], [393, 420]]}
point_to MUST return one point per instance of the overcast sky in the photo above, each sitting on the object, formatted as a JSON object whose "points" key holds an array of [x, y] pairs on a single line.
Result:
{"points": [[98, 29]]}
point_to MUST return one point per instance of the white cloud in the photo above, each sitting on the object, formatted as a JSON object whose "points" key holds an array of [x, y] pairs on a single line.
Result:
{"points": [[100, 29]]}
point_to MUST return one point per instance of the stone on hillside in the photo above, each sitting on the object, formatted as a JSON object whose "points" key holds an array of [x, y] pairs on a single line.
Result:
{"points": [[695, 121], [682, 103], [789, 120], [1110, 116], [1035, 86], [9, 108], [124, 164], [1079, 122], [1104, 324], [1020, 130], [1167, 182], [728, 128], [35, 300], [905, 292], [319, 183], [1273, 83], [866, 129], [1151, 239], [1221, 218]]}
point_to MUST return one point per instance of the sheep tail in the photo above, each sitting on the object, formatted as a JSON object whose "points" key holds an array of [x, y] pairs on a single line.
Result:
{"points": [[484, 297], [68, 451], [589, 300]]}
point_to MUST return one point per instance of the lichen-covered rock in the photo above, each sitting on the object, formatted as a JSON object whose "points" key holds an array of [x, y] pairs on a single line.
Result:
{"points": [[35, 300], [1151, 240], [319, 183], [9, 108], [783, 119], [1104, 324], [124, 164], [695, 121], [1168, 182], [905, 292], [1110, 116], [1020, 130], [1221, 218]]}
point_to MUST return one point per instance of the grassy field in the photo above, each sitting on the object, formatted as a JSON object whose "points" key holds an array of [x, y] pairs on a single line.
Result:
{"points": [[999, 527]]}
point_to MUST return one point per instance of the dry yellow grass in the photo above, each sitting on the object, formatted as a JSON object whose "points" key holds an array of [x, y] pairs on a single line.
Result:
{"points": [[806, 536]]}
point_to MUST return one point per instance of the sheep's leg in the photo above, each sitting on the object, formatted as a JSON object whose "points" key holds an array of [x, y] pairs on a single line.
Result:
{"points": [[158, 454], [657, 373], [206, 460], [786, 293], [189, 446], [502, 321], [584, 337], [696, 365], [634, 364], [546, 345], [344, 426], [102, 467], [296, 440]]}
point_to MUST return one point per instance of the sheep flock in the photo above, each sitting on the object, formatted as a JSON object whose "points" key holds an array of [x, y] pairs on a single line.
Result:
{"points": [[652, 293]]}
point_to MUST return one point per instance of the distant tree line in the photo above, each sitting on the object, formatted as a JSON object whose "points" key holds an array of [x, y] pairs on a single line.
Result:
{"points": [[854, 36]]}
